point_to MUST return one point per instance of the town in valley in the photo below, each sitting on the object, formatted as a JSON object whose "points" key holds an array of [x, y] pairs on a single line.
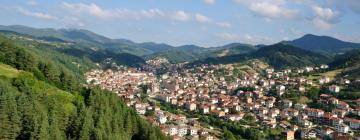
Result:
{"points": [[188, 102]]}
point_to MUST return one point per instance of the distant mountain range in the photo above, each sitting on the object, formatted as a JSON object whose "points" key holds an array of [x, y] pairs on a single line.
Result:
{"points": [[323, 44], [279, 55], [316, 47]]}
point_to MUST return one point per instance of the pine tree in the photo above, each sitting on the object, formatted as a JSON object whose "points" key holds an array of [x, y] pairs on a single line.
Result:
{"points": [[9, 115], [86, 132]]}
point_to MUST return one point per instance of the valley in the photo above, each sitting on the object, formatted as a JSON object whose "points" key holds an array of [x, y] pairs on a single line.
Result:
{"points": [[158, 91]]}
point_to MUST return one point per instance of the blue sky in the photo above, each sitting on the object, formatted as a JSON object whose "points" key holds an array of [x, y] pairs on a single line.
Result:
{"points": [[202, 22]]}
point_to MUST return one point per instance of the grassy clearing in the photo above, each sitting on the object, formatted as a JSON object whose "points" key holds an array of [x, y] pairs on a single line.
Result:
{"points": [[331, 74], [7, 71]]}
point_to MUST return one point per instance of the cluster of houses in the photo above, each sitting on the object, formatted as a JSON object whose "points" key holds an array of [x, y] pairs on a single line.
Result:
{"points": [[126, 83], [157, 61], [202, 90]]}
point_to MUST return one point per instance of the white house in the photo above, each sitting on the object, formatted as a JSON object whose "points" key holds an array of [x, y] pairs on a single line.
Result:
{"points": [[162, 119], [342, 128], [334, 88], [355, 124]]}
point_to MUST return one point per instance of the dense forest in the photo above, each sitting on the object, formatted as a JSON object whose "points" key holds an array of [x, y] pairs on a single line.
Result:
{"points": [[41, 97], [279, 56]]}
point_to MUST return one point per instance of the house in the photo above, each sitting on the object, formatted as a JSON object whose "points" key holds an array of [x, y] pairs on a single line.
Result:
{"points": [[326, 132], [173, 130], [280, 90], [190, 106], [182, 130], [315, 113], [342, 128], [337, 121], [324, 80], [299, 106], [286, 103], [339, 112], [340, 136], [323, 66], [333, 101], [205, 109], [355, 124], [161, 118], [302, 89], [309, 69], [218, 113], [334, 88], [234, 117], [141, 110], [308, 134], [193, 131], [288, 135], [206, 137]]}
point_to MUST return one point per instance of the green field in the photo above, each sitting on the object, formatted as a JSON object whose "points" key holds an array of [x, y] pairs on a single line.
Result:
{"points": [[7, 71], [331, 74]]}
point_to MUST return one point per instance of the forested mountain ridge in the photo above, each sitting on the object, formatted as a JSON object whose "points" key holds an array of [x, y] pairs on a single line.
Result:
{"points": [[85, 39], [41, 97], [279, 55], [85, 42], [46, 46], [323, 44], [349, 63]]}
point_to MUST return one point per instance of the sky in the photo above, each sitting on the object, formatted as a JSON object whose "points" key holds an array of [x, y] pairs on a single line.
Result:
{"points": [[206, 23]]}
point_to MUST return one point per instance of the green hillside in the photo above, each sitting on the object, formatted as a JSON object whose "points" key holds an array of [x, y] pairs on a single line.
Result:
{"points": [[76, 53], [175, 56], [349, 63], [278, 55], [41, 97], [7, 72], [281, 55], [233, 49]]}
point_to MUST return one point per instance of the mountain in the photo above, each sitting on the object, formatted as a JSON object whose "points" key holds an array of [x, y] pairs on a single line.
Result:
{"points": [[155, 47], [87, 38], [42, 97], [233, 49], [175, 56], [279, 55], [71, 35], [349, 63], [323, 44], [191, 49], [76, 50]]}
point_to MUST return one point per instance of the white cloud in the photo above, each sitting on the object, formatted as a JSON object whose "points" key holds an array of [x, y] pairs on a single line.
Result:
{"points": [[94, 10], [269, 9], [201, 18], [322, 24], [181, 16], [325, 13], [35, 14], [224, 24], [99, 12], [249, 2], [152, 13], [325, 18], [210, 2]]}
